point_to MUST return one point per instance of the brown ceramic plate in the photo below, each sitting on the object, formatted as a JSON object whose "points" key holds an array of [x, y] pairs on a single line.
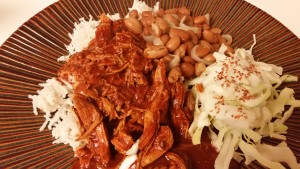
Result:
{"points": [[29, 56]]}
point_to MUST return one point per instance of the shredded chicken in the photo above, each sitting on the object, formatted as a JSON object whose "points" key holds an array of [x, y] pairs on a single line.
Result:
{"points": [[121, 96]]}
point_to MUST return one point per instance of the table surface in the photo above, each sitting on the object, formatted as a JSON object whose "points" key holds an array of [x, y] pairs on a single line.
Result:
{"points": [[13, 13]]}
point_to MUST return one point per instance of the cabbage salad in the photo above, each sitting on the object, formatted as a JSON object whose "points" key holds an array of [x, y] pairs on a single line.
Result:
{"points": [[238, 101]]}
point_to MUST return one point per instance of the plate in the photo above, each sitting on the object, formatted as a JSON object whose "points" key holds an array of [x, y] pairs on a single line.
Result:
{"points": [[29, 56]]}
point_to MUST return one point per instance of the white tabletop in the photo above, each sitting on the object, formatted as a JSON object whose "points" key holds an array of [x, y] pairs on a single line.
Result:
{"points": [[13, 13]]}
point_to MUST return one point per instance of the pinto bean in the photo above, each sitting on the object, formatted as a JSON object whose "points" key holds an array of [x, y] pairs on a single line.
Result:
{"points": [[188, 20], [200, 19], [216, 46], [155, 30], [171, 11], [188, 59], [167, 59], [171, 19], [210, 58], [229, 50], [154, 52], [184, 35], [148, 44], [134, 14], [162, 24], [147, 31], [160, 12], [209, 36], [147, 13], [147, 20], [165, 38], [199, 68], [221, 40], [190, 46], [180, 51], [174, 74], [184, 11], [199, 33], [202, 50], [207, 44], [187, 69], [205, 26], [193, 37], [216, 31], [173, 43], [134, 25]]}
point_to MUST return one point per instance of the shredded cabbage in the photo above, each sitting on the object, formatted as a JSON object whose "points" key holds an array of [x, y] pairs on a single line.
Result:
{"points": [[240, 104]]}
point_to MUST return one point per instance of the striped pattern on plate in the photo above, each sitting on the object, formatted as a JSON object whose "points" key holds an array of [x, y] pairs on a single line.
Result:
{"points": [[29, 56]]}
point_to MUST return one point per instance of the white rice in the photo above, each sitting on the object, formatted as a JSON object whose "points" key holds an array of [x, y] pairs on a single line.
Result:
{"points": [[54, 100], [114, 17], [82, 34], [141, 6]]}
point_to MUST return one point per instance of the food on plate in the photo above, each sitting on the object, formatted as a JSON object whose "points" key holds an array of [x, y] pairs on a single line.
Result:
{"points": [[146, 90], [240, 103]]}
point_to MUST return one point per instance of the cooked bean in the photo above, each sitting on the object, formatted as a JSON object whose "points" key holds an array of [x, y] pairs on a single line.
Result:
{"points": [[162, 24], [147, 13], [199, 68], [221, 40], [199, 33], [134, 14], [134, 25], [180, 51], [216, 46], [199, 19], [207, 44], [144, 21], [171, 11], [210, 58], [165, 38], [188, 20], [205, 26], [193, 37], [202, 50], [229, 50], [184, 11], [174, 74], [154, 52], [209, 36], [190, 46], [147, 20], [187, 69], [167, 59], [170, 19], [173, 43], [155, 30], [184, 35], [216, 31], [188, 59], [148, 44], [147, 31], [160, 12]]}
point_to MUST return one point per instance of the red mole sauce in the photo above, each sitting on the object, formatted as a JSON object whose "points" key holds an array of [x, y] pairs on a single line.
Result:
{"points": [[121, 96], [195, 156]]}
